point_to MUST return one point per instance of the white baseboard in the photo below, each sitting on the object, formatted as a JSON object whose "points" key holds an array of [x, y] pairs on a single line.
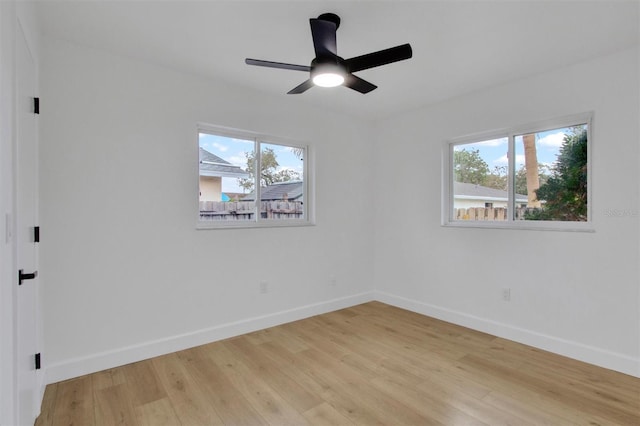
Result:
{"points": [[592, 355], [101, 361]]}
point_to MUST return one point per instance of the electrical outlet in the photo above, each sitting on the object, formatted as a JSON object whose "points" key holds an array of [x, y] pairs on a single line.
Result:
{"points": [[506, 294], [264, 287]]}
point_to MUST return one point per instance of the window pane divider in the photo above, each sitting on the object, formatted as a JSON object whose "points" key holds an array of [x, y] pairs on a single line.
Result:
{"points": [[257, 173], [511, 179]]}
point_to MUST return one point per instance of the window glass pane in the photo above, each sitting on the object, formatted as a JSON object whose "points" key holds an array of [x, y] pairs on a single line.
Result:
{"points": [[551, 173], [225, 178], [480, 180], [281, 182]]}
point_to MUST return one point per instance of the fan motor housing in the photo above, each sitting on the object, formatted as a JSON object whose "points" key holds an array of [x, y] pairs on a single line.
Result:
{"points": [[333, 65]]}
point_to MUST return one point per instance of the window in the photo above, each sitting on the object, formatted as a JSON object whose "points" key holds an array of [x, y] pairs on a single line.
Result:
{"points": [[251, 180], [535, 176]]}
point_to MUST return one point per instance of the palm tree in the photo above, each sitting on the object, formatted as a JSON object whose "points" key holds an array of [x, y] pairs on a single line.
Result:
{"points": [[531, 166]]}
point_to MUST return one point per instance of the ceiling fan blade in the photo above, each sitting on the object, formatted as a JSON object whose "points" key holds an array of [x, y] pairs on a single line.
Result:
{"points": [[358, 84], [280, 65], [381, 57], [324, 37], [301, 88]]}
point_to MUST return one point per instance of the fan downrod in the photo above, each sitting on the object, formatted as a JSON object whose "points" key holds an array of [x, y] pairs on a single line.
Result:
{"points": [[331, 17]]}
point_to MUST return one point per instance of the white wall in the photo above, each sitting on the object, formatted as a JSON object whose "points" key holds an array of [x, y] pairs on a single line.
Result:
{"points": [[125, 272], [584, 300]]}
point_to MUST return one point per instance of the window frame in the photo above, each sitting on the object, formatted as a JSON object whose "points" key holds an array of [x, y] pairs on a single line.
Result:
{"points": [[510, 133], [258, 139]]}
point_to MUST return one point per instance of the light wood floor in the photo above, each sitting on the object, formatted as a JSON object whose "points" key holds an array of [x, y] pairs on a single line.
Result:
{"points": [[369, 364]]}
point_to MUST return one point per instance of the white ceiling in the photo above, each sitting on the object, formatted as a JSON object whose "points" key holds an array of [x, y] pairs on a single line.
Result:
{"points": [[458, 46]]}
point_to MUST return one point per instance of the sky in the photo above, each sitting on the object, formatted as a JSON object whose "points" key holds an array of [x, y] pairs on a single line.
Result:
{"points": [[494, 152], [233, 150]]}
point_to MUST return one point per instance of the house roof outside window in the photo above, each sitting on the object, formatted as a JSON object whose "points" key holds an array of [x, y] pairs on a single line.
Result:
{"points": [[471, 191], [293, 190], [212, 165]]}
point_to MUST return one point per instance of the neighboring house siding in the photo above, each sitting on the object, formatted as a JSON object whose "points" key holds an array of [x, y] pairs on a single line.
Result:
{"points": [[468, 195], [210, 188], [460, 203]]}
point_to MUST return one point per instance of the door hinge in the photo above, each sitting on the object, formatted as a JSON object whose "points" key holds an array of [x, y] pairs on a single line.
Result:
{"points": [[36, 105], [37, 361], [36, 234]]}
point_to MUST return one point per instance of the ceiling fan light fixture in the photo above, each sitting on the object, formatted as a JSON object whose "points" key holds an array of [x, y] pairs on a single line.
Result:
{"points": [[328, 79], [328, 75]]}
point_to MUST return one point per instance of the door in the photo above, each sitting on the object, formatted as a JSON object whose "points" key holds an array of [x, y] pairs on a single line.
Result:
{"points": [[26, 219]]}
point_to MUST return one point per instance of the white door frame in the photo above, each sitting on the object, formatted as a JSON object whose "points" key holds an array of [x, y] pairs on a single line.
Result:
{"points": [[26, 184], [13, 17], [7, 251]]}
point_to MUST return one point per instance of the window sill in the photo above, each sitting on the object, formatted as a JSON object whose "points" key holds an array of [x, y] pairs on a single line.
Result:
{"points": [[252, 224], [528, 226]]}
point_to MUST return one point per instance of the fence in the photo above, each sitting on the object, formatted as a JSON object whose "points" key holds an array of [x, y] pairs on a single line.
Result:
{"points": [[487, 213], [244, 210]]}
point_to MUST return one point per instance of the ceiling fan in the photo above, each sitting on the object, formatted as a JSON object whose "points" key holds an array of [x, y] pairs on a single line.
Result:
{"points": [[328, 69]]}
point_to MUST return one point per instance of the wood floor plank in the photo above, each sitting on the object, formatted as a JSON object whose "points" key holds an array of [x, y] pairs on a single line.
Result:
{"points": [[598, 394], [286, 340], [266, 401], [474, 407], [48, 406], [370, 364], [74, 403], [434, 410], [232, 407], [189, 404], [521, 409], [386, 408], [325, 415], [324, 385], [547, 397], [569, 369], [601, 384], [107, 378], [567, 394], [113, 406], [143, 384], [296, 368], [340, 346], [254, 357], [260, 336], [157, 413], [464, 384]]}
